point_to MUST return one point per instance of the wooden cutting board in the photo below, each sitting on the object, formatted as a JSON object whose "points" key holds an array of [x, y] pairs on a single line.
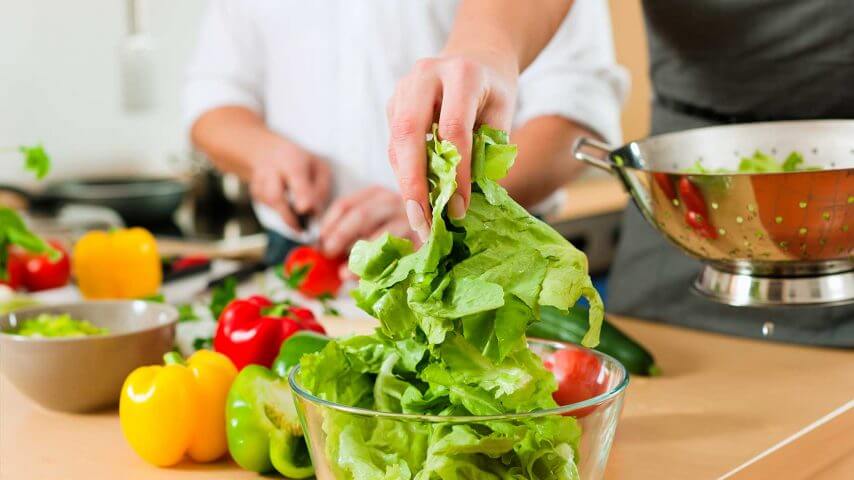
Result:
{"points": [[722, 404]]}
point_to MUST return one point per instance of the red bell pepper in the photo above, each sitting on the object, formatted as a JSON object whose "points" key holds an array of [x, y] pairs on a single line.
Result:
{"points": [[696, 214], [663, 181], [700, 225], [252, 329], [692, 197]]}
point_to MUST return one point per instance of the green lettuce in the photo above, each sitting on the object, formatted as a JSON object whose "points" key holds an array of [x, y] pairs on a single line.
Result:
{"points": [[451, 340], [759, 162]]}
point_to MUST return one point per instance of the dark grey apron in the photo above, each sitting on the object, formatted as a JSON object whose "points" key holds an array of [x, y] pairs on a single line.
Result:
{"points": [[732, 61]]}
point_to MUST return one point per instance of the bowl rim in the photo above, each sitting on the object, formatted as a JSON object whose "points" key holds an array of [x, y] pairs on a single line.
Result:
{"points": [[614, 392], [170, 310]]}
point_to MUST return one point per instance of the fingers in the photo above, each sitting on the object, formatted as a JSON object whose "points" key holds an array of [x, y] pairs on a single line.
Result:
{"points": [[345, 273], [269, 188], [355, 218], [497, 112], [471, 88], [410, 118], [298, 176], [322, 180], [462, 88]]}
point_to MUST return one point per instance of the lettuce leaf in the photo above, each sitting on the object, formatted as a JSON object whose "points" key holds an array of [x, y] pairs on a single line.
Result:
{"points": [[451, 340]]}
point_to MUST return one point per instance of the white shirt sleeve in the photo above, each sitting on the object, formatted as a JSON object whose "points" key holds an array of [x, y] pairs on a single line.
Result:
{"points": [[227, 66], [576, 76]]}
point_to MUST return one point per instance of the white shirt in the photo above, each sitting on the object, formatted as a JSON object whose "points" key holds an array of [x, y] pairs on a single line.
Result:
{"points": [[321, 72]]}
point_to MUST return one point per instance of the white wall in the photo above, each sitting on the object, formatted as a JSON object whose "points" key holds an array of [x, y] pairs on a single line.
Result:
{"points": [[60, 84]]}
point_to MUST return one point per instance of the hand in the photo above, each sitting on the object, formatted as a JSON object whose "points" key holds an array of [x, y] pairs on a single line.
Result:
{"points": [[468, 88], [365, 214], [290, 180]]}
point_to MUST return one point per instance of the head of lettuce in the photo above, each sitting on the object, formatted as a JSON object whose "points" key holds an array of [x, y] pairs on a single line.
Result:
{"points": [[451, 340]]}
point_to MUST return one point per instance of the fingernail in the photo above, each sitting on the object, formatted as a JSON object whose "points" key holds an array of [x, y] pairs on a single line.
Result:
{"points": [[417, 220], [457, 207]]}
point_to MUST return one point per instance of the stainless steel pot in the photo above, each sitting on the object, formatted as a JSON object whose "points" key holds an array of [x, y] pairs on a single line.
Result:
{"points": [[774, 227]]}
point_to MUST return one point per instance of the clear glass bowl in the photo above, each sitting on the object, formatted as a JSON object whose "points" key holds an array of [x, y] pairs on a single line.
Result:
{"points": [[322, 421]]}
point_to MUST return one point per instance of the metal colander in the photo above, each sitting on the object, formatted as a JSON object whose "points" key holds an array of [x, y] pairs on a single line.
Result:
{"points": [[774, 225]]}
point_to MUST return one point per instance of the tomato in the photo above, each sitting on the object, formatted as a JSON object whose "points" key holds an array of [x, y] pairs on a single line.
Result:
{"points": [[15, 272], [692, 197], [700, 225], [578, 377], [312, 273], [43, 274]]}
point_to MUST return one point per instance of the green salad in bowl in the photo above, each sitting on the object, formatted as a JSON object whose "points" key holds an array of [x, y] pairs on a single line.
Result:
{"points": [[48, 325], [448, 387]]}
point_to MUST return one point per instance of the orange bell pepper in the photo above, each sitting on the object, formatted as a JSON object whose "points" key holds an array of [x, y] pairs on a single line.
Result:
{"points": [[117, 264], [170, 411]]}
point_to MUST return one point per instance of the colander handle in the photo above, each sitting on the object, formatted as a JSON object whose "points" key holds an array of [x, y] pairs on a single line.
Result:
{"points": [[598, 162]]}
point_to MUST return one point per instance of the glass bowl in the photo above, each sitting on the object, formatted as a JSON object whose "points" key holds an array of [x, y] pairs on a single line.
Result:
{"points": [[340, 436]]}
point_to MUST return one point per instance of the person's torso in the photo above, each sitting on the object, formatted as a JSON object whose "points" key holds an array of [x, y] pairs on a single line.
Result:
{"points": [[759, 59], [768, 59], [330, 66]]}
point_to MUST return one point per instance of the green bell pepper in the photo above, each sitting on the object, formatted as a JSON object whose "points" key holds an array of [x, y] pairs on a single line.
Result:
{"points": [[262, 425], [292, 350]]}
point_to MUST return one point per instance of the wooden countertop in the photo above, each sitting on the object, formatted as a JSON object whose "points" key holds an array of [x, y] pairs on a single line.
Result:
{"points": [[721, 403]]}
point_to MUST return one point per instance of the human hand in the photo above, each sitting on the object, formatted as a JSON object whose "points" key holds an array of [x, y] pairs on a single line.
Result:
{"points": [[467, 88], [365, 214], [291, 180]]}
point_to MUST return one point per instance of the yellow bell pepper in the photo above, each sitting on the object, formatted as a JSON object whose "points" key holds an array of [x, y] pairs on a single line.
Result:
{"points": [[178, 409], [117, 264]]}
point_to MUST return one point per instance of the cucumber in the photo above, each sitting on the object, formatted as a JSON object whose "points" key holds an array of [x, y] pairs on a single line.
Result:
{"points": [[572, 325]]}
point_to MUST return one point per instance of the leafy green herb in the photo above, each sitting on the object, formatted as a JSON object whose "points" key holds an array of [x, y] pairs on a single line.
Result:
{"points": [[296, 277], [36, 160], [156, 298], [202, 343], [222, 295], [186, 314], [327, 308], [452, 341], [13, 231]]}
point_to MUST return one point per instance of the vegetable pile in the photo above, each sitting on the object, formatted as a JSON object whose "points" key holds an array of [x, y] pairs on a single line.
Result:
{"points": [[452, 339]]}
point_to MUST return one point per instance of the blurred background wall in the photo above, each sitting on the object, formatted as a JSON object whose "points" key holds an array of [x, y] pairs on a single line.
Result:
{"points": [[60, 83]]}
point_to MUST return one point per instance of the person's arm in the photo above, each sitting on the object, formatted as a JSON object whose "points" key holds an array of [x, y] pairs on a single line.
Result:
{"points": [[574, 88], [278, 171], [224, 101], [472, 81], [518, 30], [545, 161]]}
